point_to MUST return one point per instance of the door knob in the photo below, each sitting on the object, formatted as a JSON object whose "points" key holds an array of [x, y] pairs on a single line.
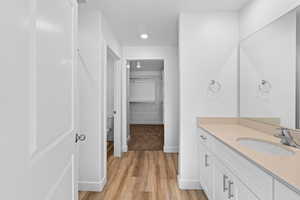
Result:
{"points": [[115, 112], [81, 138]]}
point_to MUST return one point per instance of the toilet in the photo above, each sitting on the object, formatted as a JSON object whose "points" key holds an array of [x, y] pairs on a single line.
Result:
{"points": [[110, 128]]}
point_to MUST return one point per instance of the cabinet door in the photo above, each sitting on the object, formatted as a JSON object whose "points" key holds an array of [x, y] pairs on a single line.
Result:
{"points": [[227, 186], [203, 173], [224, 183], [209, 163], [238, 191], [208, 174], [281, 192], [201, 154], [206, 171], [220, 182], [242, 192]]}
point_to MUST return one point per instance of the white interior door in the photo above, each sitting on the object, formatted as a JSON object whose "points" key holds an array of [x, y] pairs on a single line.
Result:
{"points": [[15, 99], [53, 101], [118, 109]]}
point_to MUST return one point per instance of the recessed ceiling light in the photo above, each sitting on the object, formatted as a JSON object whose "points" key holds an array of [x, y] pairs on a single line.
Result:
{"points": [[144, 36]]}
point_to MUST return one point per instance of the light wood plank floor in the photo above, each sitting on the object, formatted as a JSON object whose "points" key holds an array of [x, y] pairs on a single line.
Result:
{"points": [[143, 175], [110, 149]]}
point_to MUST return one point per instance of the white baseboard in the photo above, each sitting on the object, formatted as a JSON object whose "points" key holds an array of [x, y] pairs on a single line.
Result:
{"points": [[91, 186], [188, 184], [171, 149]]}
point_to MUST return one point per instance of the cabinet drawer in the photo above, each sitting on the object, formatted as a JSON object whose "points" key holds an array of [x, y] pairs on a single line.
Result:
{"points": [[252, 176]]}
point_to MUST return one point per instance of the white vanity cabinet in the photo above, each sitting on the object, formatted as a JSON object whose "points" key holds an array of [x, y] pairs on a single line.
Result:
{"points": [[221, 182], [218, 179]]}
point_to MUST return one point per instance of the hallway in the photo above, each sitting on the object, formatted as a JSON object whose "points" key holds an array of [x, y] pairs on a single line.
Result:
{"points": [[143, 175]]}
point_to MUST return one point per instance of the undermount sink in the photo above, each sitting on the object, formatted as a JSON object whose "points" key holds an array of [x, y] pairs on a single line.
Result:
{"points": [[265, 147]]}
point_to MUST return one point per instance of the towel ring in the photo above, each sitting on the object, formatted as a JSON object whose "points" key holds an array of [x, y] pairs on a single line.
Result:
{"points": [[214, 86], [264, 87]]}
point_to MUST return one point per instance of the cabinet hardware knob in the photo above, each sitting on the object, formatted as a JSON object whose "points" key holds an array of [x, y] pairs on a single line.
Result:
{"points": [[203, 137]]}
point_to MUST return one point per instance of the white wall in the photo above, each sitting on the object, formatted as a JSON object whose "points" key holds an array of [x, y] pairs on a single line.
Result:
{"points": [[270, 54], [94, 35], [110, 38], [171, 92], [258, 13], [208, 51]]}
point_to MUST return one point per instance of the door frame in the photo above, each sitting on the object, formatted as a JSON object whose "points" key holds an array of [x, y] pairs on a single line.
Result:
{"points": [[117, 99], [125, 96], [106, 49], [117, 107]]}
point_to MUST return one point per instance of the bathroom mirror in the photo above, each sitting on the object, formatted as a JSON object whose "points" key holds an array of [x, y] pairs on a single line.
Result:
{"points": [[269, 73]]}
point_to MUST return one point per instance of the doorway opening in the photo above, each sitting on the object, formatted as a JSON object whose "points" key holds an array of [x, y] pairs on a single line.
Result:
{"points": [[110, 63], [112, 103], [145, 105]]}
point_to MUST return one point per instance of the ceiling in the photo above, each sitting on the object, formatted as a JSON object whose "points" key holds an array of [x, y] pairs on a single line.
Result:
{"points": [[158, 18]]}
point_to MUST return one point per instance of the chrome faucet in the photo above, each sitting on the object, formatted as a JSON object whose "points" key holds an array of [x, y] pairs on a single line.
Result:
{"points": [[286, 137]]}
